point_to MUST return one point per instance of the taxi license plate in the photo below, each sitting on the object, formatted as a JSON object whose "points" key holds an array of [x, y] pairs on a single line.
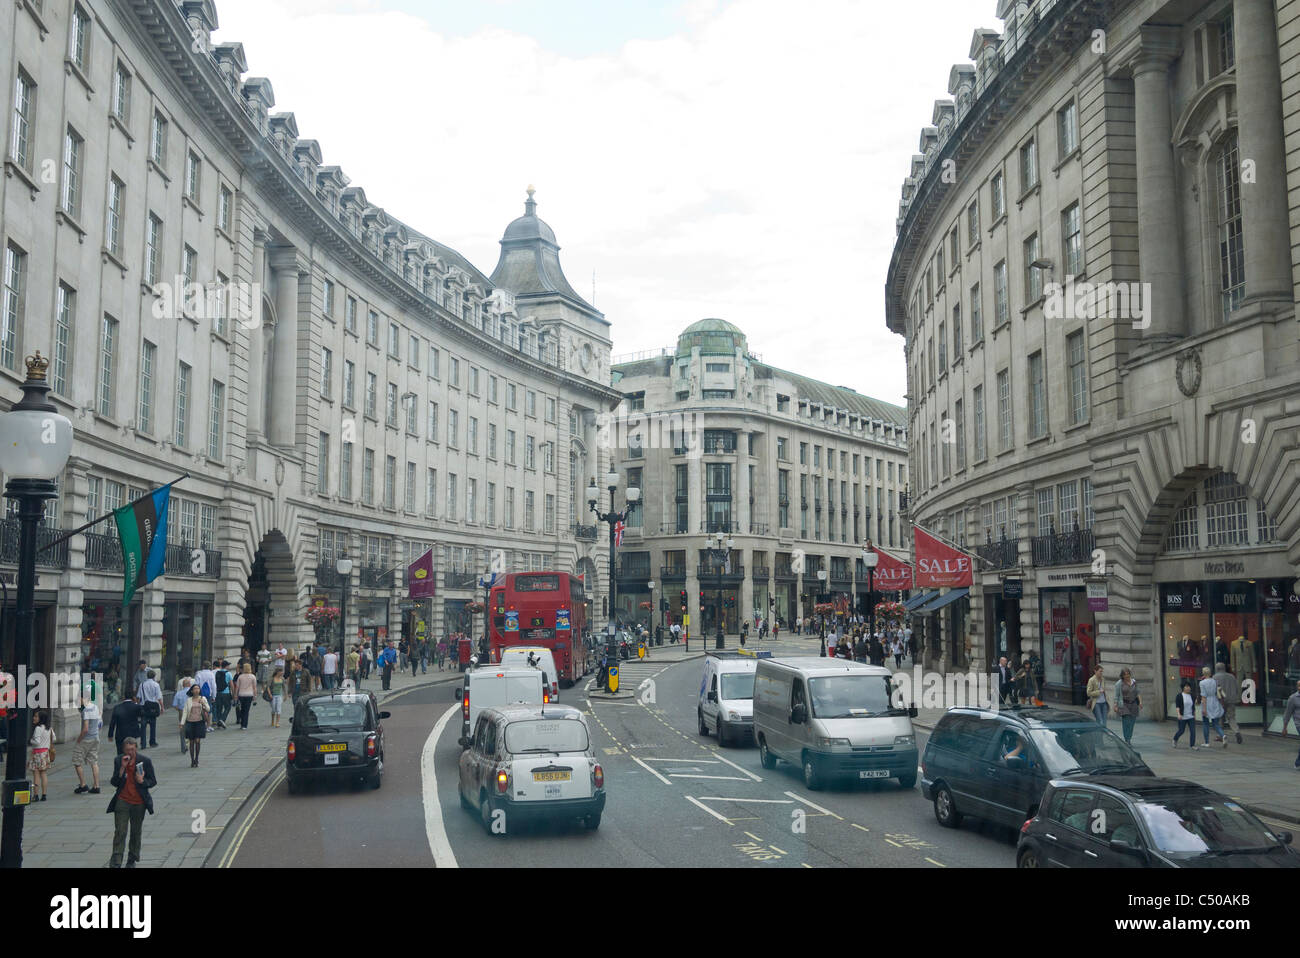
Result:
{"points": [[552, 776], [333, 747], [332, 758], [553, 791], [874, 773]]}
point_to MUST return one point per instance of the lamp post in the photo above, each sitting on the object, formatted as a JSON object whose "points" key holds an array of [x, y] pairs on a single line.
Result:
{"points": [[869, 559], [720, 546], [613, 518], [344, 568], [821, 616], [651, 587], [35, 442]]}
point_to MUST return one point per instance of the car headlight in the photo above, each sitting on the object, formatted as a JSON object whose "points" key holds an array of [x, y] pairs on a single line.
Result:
{"points": [[830, 742], [904, 739], [733, 716]]}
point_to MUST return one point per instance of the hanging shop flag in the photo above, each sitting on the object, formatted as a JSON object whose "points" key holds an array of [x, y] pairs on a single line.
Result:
{"points": [[938, 564], [419, 577], [892, 575], [142, 529]]}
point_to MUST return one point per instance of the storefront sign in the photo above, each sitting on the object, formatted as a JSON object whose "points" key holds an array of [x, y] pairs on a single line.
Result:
{"points": [[891, 575], [1013, 588], [320, 601], [1184, 597], [1098, 597], [1225, 567], [939, 565], [1232, 596]]}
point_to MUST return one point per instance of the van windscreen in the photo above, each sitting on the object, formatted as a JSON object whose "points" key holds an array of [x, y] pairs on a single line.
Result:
{"points": [[737, 685], [849, 696]]}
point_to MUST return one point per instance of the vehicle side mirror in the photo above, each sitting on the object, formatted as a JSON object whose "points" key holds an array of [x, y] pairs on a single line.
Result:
{"points": [[713, 696], [913, 712], [1127, 848], [1284, 837], [463, 741], [1015, 761], [799, 714], [384, 715], [457, 695]]}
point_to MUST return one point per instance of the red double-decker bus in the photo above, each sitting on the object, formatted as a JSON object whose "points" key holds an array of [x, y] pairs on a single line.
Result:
{"points": [[546, 609]]}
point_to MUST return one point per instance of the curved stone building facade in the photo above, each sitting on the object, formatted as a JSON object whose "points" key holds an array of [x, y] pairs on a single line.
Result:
{"points": [[1095, 273]]}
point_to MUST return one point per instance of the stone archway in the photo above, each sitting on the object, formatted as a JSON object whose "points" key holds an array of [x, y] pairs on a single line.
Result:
{"points": [[271, 610]]}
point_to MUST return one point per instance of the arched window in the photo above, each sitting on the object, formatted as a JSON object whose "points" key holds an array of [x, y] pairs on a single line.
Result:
{"points": [[1227, 206]]}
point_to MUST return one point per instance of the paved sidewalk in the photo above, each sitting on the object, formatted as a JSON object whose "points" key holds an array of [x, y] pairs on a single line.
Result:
{"points": [[74, 831]]}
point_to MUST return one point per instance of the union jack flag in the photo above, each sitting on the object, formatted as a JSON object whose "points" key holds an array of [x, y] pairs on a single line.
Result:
{"points": [[618, 534]]}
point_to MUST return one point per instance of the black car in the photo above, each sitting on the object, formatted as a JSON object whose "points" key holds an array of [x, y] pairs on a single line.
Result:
{"points": [[995, 763], [1118, 822], [337, 734]]}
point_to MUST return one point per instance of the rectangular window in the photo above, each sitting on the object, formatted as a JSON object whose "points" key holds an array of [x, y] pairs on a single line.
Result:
{"points": [[372, 327], [225, 206], [946, 456], [956, 332], [73, 148], [121, 94], [1232, 256], [1001, 307], [548, 516], [79, 41], [350, 315], [530, 453], [1028, 166], [327, 298], [207, 526], [368, 477], [1033, 274], [453, 371], [491, 517], [153, 250], [148, 356], [193, 175], [433, 422], [216, 441], [107, 365], [430, 491], [181, 438], [1067, 129], [1086, 515], [1067, 502], [1077, 359], [492, 389], [1004, 409], [345, 471], [390, 481], [1072, 240], [323, 463], [548, 457], [372, 395], [15, 296], [530, 511], [471, 496], [390, 405], [412, 417], [158, 139], [998, 194], [413, 351], [960, 415], [20, 141], [1037, 397], [326, 372], [451, 497], [1185, 529], [453, 428], [1046, 512], [190, 264], [550, 409], [65, 312], [471, 436], [943, 348], [510, 447], [471, 386], [349, 383], [973, 223], [511, 397], [394, 341], [492, 440], [113, 226], [530, 409], [1225, 512], [434, 362], [976, 316]]}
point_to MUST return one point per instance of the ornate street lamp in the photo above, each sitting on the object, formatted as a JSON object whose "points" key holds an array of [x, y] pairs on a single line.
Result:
{"points": [[35, 442], [870, 559], [344, 568], [821, 616], [720, 546], [612, 517]]}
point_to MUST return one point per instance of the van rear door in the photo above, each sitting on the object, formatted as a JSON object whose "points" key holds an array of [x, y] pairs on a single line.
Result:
{"points": [[523, 687]]}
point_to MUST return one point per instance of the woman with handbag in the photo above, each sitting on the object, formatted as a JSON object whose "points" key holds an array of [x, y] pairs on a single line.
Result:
{"points": [[197, 714], [245, 693], [42, 753]]}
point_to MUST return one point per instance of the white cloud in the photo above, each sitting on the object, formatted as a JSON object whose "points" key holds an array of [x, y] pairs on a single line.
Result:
{"points": [[747, 168]]}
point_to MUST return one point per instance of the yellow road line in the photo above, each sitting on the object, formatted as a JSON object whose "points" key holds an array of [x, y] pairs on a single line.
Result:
{"points": [[894, 843], [777, 850], [754, 837], [246, 826], [933, 862], [859, 827]]}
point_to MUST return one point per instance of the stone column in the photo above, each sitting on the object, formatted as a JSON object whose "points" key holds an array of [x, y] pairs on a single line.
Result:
{"points": [[745, 600], [695, 514], [284, 370], [257, 343], [1259, 130], [744, 513], [1159, 246]]}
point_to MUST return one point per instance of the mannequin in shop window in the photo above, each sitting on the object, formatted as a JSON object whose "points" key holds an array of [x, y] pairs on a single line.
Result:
{"points": [[1221, 651], [1243, 658]]}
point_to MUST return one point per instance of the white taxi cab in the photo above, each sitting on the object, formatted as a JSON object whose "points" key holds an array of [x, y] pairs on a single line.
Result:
{"points": [[531, 762]]}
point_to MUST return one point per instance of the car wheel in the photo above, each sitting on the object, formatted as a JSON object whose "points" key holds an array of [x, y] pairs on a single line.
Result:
{"points": [[704, 729], [765, 757], [722, 733], [465, 803], [295, 787], [377, 777], [812, 776], [485, 811], [1028, 859], [945, 809], [592, 822], [907, 781]]}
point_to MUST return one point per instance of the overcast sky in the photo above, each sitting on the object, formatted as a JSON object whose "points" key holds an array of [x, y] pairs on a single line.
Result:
{"points": [[731, 158]]}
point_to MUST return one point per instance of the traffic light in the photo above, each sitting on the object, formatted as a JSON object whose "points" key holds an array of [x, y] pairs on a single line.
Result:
{"points": [[683, 601]]}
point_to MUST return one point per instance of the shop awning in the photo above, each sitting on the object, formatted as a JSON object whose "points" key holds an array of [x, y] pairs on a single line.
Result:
{"points": [[936, 604], [918, 600]]}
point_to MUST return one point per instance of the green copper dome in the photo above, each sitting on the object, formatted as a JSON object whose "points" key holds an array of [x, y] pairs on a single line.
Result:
{"points": [[714, 337]]}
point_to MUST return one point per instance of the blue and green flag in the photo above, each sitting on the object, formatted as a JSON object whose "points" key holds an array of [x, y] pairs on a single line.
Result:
{"points": [[142, 528]]}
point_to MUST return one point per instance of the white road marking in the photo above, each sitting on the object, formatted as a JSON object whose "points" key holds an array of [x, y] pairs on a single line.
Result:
{"points": [[722, 778], [754, 801], [693, 761], [650, 770], [738, 768], [434, 829], [707, 809], [824, 811]]}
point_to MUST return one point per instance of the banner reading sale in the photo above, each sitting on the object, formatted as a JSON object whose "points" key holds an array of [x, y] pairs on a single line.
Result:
{"points": [[939, 565]]}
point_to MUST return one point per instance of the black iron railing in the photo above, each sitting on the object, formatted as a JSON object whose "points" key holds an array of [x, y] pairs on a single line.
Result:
{"points": [[327, 576], [760, 572], [374, 577], [180, 561], [585, 533], [1004, 554], [713, 572], [672, 572], [103, 552], [462, 580], [1063, 548], [55, 558]]}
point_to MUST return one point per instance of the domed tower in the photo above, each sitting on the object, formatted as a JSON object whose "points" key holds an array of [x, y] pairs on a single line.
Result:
{"points": [[567, 328], [701, 350]]}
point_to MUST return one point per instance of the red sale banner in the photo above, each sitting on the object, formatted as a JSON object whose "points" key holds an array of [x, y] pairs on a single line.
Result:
{"points": [[891, 574], [939, 565]]}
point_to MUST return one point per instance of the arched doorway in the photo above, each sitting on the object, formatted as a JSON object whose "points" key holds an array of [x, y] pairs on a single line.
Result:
{"points": [[271, 610]]}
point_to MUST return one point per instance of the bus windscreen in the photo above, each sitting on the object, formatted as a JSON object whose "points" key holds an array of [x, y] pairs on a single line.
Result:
{"points": [[537, 583]]}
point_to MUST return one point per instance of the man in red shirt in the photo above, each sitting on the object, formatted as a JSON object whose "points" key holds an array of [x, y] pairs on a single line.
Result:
{"points": [[132, 777]]}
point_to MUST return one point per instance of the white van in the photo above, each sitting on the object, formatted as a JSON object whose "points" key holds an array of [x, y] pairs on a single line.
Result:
{"points": [[726, 703], [535, 657], [833, 718], [491, 686]]}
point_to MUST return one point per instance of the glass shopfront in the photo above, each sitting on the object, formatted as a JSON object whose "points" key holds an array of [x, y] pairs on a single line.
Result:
{"points": [[110, 643], [186, 637], [1251, 626], [1002, 627], [1069, 644]]}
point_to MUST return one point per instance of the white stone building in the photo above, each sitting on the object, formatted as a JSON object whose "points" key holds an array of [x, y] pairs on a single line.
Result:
{"points": [[334, 380], [1095, 273], [719, 441]]}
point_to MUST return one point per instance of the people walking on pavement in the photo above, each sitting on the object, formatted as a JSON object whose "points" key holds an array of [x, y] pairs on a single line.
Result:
{"points": [[1231, 689], [1098, 704], [1292, 712], [125, 722], [402, 649], [281, 660], [1128, 703], [353, 665], [221, 703], [277, 696], [264, 659], [329, 670], [178, 703], [150, 709], [440, 653], [1185, 705], [38, 762], [301, 681], [417, 654], [133, 776], [85, 750], [1211, 707], [311, 662], [1026, 682], [387, 659], [245, 693], [198, 712], [141, 673], [206, 680]]}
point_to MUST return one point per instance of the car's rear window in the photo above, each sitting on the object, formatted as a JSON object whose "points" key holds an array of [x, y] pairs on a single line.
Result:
{"points": [[546, 735], [328, 713]]}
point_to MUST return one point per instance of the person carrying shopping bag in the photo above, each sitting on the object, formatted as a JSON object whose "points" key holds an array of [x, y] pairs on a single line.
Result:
{"points": [[1128, 703]]}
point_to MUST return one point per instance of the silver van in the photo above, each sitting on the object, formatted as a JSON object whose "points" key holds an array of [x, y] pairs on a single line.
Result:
{"points": [[832, 718]]}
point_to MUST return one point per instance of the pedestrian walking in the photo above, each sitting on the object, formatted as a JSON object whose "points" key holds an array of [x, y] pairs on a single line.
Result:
{"points": [[301, 683], [277, 696], [1098, 704], [387, 659], [221, 703], [898, 652], [206, 680], [440, 653], [281, 660], [245, 693], [417, 653], [1211, 707], [264, 659], [402, 650], [329, 669], [1231, 689], [38, 762], [132, 777], [353, 665], [1292, 711], [312, 663], [178, 703], [1026, 682], [424, 656], [150, 709], [141, 673], [1128, 703], [198, 712], [85, 750], [1185, 706], [125, 722]]}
